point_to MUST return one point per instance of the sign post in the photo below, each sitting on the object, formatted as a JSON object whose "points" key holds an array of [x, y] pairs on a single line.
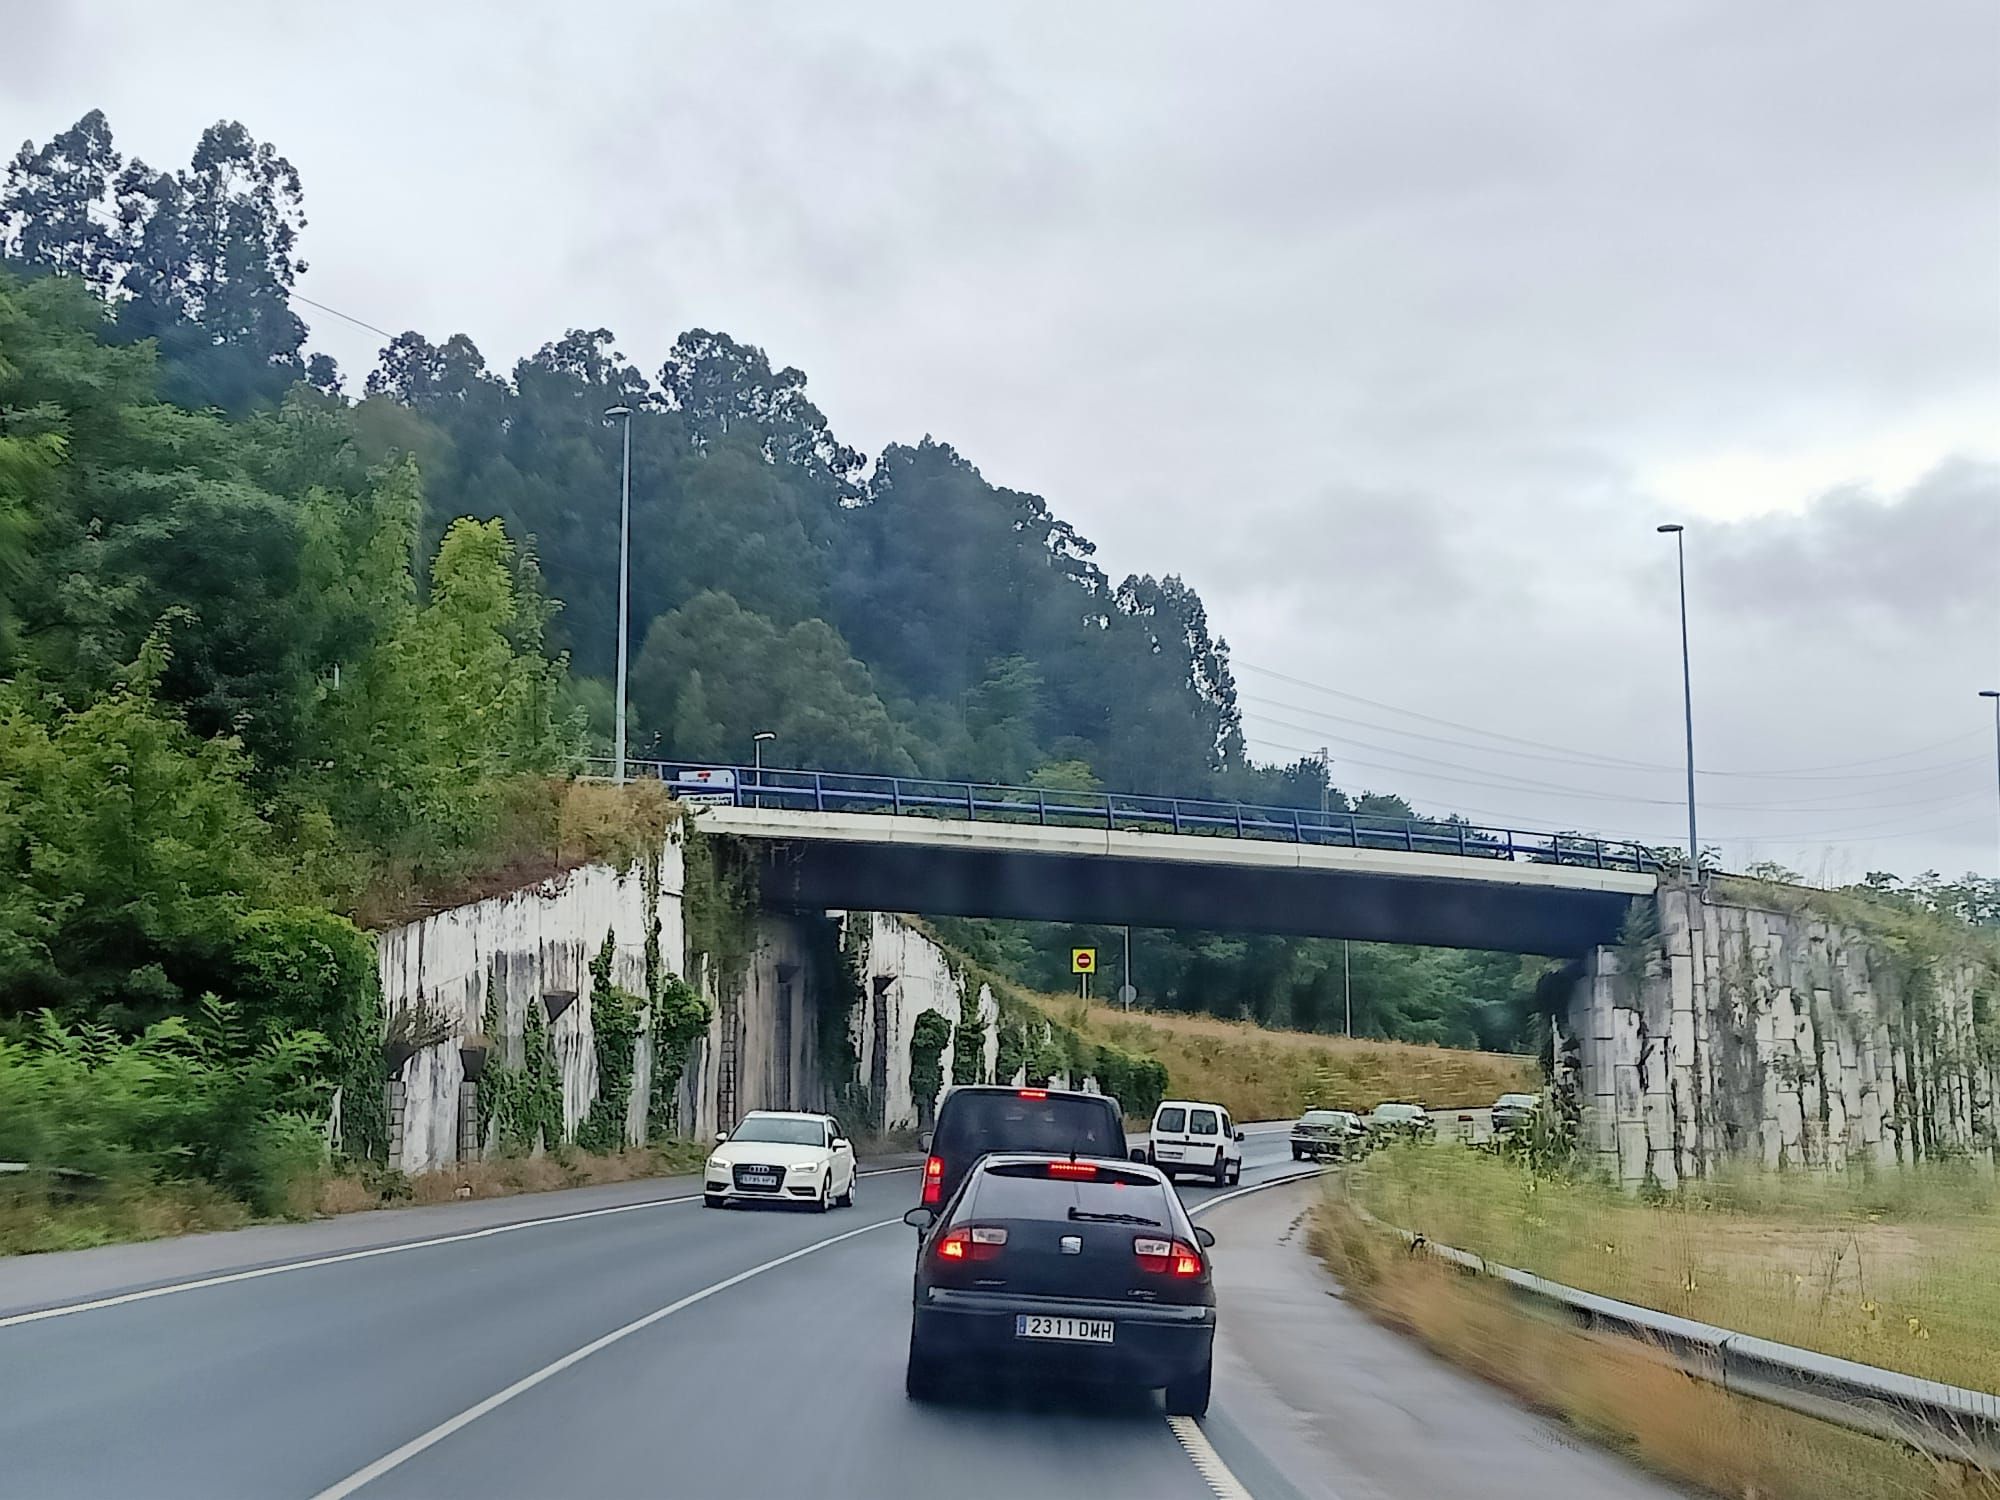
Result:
{"points": [[1083, 963]]}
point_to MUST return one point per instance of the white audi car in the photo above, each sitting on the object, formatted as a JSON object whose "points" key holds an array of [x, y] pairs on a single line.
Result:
{"points": [[778, 1155]]}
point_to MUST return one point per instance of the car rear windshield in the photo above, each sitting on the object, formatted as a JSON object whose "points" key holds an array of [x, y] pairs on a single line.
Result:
{"points": [[1398, 1111], [1523, 1100], [974, 1124], [1171, 1119], [1319, 1117], [1202, 1121], [1027, 1191]]}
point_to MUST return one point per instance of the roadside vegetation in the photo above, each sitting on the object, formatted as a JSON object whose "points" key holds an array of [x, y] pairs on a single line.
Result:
{"points": [[1896, 1269], [1264, 1074], [1614, 1394]]}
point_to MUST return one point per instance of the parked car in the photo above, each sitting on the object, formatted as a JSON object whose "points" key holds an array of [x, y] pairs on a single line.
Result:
{"points": [[1090, 1270], [779, 1155], [1190, 1136], [1511, 1111], [1323, 1133], [979, 1118], [1392, 1121]]}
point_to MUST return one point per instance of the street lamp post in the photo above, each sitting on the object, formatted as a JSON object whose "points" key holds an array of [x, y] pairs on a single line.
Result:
{"points": [[757, 743], [1687, 699], [624, 589], [1994, 694]]}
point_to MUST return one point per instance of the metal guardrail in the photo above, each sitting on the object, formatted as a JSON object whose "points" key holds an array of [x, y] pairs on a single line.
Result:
{"points": [[1946, 1421], [830, 791]]}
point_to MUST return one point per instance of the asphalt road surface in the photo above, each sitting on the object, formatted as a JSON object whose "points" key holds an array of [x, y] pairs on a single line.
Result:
{"points": [[626, 1341]]}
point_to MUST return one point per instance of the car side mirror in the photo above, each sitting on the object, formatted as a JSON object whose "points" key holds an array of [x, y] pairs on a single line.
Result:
{"points": [[920, 1219], [1203, 1237], [924, 1141], [839, 1141], [1138, 1153], [1240, 1136]]}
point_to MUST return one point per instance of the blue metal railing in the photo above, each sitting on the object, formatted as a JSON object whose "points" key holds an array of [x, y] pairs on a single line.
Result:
{"points": [[905, 796]]}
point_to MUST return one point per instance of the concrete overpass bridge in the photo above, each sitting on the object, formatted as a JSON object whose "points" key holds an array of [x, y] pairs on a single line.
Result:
{"points": [[956, 849]]}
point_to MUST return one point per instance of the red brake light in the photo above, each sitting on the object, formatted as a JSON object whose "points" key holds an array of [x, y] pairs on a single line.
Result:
{"points": [[1034, 1093], [972, 1242], [1167, 1257], [933, 1180], [1074, 1169]]}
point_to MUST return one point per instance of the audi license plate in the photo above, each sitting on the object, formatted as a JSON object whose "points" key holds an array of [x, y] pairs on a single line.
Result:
{"points": [[760, 1179], [1071, 1330]]}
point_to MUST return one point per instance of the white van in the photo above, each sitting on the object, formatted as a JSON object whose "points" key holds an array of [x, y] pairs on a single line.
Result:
{"points": [[1190, 1136]]}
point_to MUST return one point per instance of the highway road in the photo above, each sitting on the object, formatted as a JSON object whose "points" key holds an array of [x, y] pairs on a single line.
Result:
{"points": [[626, 1341]]}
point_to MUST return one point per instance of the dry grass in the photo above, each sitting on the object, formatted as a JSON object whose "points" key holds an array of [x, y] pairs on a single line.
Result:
{"points": [[1901, 1271], [544, 828], [505, 1177], [33, 1222], [1263, 1074], [1620, 1396]]}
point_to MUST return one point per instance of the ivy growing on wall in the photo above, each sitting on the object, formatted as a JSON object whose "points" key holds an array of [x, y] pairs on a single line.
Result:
{"points": [[720, 902], [614, 1025], [969, 1037], [525, 1103], [679, 1016], [927, 1043]]}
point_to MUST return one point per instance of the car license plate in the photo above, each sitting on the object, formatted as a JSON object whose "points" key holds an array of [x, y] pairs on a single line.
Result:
{"points": [[760, 1179], [1168, 1153], [1073, 1330]]}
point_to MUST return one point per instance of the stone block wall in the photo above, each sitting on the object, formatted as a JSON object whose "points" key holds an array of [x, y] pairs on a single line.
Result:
{"points": [[1776, 1037]]}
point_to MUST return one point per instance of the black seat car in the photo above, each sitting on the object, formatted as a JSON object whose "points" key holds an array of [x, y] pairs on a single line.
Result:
{"points": [[979, 1118], [1088, 1270]]}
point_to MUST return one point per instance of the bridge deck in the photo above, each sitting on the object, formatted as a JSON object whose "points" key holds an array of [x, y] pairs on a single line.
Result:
{"points": [[872, 861]]}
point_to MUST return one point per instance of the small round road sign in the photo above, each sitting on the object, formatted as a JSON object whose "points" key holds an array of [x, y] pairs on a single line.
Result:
{"points": [[1126, 994]]}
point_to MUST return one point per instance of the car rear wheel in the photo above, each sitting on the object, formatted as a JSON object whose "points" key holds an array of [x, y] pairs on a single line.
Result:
{"points": [[1221, 1172], [1189, 1397], [920, 1381], [1235, 1172]]}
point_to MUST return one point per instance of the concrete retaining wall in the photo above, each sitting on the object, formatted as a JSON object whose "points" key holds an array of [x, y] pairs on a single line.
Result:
{"points": [[1773, 1037]]}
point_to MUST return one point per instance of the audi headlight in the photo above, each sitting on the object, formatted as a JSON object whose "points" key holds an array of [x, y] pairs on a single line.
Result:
{"points": [[717, 1164], [806, 1166]]}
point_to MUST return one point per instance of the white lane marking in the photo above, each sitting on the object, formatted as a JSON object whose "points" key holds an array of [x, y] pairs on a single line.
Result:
{"points": [[1256, 1187], [1207, 1461], [527, 1383], [257, 1273]]}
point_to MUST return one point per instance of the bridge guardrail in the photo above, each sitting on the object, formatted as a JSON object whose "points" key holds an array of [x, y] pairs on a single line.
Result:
{"points": [[831, 791], [1946, 1421]]}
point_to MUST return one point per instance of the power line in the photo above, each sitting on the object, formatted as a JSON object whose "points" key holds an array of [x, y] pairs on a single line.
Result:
{"points": [[1570, 751], [349, 317]]}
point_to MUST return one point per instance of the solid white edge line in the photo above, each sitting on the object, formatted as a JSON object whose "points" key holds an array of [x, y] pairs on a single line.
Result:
{"points": [[471, 1414], [256, 1273], [1216, 1474], [1208, 1463]]}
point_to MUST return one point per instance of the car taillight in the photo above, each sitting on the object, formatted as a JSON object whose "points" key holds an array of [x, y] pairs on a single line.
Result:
{"points": [[1082, 1170], [933, 1180], [1167, 1257], [1033, 1093], [972, 1242]]}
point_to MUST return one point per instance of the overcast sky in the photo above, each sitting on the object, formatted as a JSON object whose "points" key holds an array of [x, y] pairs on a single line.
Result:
{"points": [[1395, 329]]}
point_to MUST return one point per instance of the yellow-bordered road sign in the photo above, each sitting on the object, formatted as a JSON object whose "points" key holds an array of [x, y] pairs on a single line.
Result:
{"points": [[1083, 960]]}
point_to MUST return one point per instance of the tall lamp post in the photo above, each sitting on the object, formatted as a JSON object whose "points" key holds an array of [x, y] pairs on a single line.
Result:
{"points": [[1687, 699], [624, 590], [757, 742], [1994, 694]]}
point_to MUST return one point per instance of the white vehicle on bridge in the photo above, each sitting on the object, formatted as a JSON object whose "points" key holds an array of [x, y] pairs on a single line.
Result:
{"points": [[782, 1156], [1191, 1136]]}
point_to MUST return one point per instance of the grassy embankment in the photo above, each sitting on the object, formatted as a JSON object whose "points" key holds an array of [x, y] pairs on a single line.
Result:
{"points": [[1614, 1393], [1262, 1074], [1899, 1269], [32, 1220]]}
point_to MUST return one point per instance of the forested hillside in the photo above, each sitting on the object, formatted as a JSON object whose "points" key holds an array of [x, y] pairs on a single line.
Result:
{"points": [[273, 644]]}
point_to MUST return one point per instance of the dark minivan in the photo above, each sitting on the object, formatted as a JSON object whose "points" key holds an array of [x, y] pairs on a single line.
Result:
{"points": [[978, 1119]]}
